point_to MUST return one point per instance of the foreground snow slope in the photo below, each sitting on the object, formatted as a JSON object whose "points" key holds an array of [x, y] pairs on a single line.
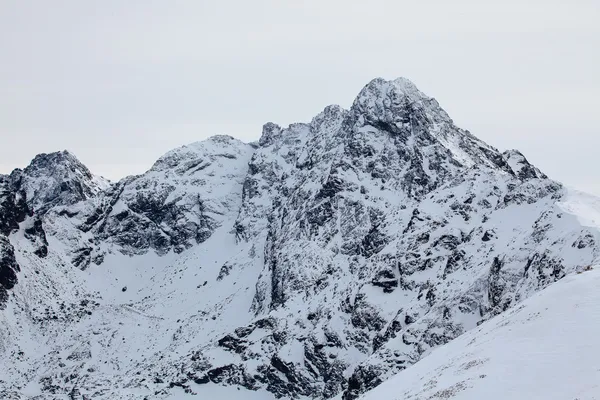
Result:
{"points": [[547, 348]]}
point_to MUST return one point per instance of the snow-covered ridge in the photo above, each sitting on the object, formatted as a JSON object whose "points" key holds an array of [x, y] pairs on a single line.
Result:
{"points": [[176, 204], [316, 263]]}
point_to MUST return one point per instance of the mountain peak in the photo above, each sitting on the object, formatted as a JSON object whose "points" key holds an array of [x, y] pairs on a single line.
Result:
{"points": [[394, 90], [56, 163], [400, 85], [181, 158], [520, 166], [393, 101], [270, 132], [57, 178]]}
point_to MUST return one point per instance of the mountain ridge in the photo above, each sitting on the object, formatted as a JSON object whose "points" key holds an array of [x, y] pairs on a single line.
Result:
{"points": [[316, 263]]}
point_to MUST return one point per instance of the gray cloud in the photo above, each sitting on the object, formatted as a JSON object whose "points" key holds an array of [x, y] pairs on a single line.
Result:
{"points": [[120, 83]]}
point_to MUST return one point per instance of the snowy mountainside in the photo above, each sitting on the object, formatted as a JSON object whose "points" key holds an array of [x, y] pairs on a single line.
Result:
{"points": [[317, 263], [26, 195], [545, 348], [178, 203]]}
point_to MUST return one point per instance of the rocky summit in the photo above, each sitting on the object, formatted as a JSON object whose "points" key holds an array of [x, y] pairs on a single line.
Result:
{"points": [[316, 263]]}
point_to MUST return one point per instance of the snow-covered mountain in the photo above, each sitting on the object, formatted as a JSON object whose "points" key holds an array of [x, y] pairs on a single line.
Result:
{"points": [[26, 195], [316, 263]]}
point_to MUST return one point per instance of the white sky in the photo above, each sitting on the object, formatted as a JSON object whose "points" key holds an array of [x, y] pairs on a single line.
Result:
{"points": [[119, 83]]}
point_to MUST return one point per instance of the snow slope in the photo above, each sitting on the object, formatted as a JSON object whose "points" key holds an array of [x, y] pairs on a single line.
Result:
{"points": [[544, 349]]}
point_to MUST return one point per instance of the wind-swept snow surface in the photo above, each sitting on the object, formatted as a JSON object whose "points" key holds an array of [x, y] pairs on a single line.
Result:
{"points": [[544, 349]]}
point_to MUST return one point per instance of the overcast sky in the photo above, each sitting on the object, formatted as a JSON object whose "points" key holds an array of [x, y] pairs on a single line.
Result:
{"points": [[119, 83]]}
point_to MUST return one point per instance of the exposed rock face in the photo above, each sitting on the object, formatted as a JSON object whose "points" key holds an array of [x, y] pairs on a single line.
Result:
{"points": [[50, 180], [56, 179], [13, 210], [371, 222], [318, 262], [8, 269], [13, 206]]}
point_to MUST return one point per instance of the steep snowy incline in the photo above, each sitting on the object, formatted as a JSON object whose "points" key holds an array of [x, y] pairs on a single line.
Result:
{"points": [[142, 315], [544, 349]]}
